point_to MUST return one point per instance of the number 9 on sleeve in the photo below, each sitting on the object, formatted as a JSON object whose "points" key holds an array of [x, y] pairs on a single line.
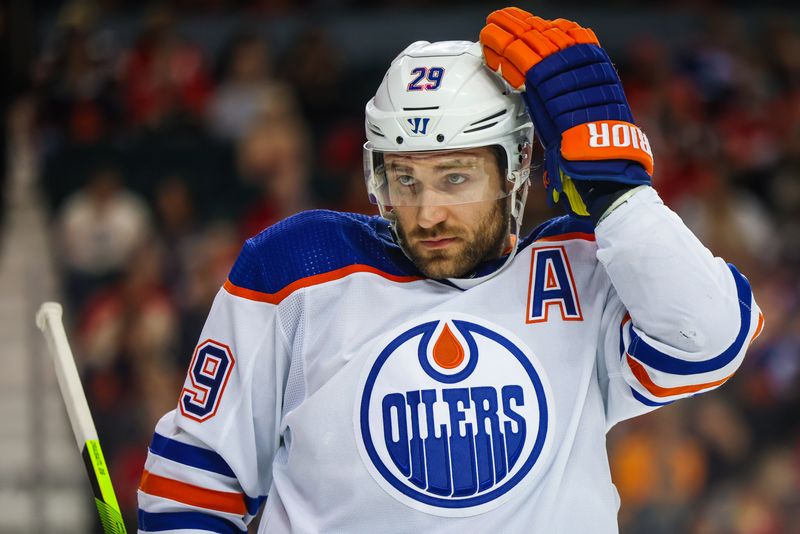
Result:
{"points": [[208, 375]]}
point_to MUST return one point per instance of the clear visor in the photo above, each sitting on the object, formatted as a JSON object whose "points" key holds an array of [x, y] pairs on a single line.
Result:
{"points": [[435, 178]]}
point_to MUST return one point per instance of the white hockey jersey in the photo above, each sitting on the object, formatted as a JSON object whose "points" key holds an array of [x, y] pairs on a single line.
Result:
{"points": [[354, 395]]}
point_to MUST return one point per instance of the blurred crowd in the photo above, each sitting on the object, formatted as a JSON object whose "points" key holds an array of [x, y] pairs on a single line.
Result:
{"points": [[723, 116], [159, 158]]}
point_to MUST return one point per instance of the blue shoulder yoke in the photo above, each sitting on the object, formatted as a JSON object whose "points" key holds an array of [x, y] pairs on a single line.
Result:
{"points": [[316, 242], [321, 241]]}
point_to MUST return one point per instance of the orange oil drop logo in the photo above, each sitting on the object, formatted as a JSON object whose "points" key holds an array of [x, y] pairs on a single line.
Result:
{"points": [[447, 351]]}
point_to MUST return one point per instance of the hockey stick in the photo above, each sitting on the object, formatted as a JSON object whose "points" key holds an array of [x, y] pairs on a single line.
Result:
{"points": [[48, 319]]}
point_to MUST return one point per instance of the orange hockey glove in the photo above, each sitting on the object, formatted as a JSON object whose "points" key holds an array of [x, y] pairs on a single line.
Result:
{"points": [[593, 150]]}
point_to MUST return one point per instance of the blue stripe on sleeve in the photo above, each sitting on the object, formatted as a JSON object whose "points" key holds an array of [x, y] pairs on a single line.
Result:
{"points": [[644, 400], [200, 458], [153, 522], [254, 503], [677, 366], [191, 455]]}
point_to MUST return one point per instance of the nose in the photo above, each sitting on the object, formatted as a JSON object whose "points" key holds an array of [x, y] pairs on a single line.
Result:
{"points": [[430, 216]]}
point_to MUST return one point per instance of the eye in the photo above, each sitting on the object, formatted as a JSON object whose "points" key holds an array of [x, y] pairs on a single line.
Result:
{"points": [[456, 179], [406, 180]]}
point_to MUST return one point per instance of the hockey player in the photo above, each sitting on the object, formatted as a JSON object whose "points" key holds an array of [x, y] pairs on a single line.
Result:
{"points": [[431, 370]]}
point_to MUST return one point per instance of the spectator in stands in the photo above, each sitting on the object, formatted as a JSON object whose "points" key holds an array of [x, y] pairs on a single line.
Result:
{"points": [[731, 221], [313, 66], [76, 79], [274, 159], [659, 467], [164, 78], [97, 231], [247, 93]]}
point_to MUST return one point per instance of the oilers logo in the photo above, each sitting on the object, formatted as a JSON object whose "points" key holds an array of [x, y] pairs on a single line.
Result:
{"points": [[454, 416]]}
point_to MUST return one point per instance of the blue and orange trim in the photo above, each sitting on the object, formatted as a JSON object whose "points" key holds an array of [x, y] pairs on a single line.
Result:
{"points": [[665, 363], [317, 279], [670, 364], [207, 460]]}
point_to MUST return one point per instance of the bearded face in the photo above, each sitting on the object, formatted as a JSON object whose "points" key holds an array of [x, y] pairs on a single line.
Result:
{"points": [[445, 236]]}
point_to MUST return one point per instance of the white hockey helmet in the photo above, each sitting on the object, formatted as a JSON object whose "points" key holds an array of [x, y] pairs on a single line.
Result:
{"points": [[440, 96]]}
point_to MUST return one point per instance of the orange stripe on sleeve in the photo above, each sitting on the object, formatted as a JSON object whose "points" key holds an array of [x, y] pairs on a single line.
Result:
{"points": [[221, 501], [641, 375], [275, 298], [759, 328]]}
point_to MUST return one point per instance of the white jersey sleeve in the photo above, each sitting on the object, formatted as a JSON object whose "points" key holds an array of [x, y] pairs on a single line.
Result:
{"points": [[678, 320], [209, 465]]}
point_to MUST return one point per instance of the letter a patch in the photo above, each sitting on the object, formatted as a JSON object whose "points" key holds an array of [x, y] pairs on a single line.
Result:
{"points": [[551, 284]]}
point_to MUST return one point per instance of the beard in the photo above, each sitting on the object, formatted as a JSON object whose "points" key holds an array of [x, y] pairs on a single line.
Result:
{"points": [[486, 242]]}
